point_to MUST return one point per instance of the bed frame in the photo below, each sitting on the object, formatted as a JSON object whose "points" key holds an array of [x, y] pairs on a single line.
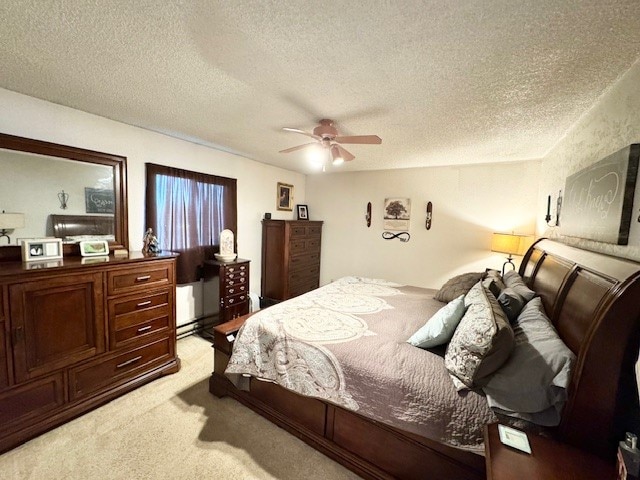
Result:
{"points": [[593, 301]]}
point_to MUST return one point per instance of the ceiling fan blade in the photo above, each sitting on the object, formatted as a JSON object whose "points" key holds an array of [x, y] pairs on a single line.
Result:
{"points": [[362, 139], [297, 130], [299, 147], [345, 154]]}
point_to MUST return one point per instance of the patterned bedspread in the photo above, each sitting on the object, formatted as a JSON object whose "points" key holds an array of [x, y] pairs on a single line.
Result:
{"points": [[346, 343]]}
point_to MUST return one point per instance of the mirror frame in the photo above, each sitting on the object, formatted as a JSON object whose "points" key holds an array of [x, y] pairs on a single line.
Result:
{"points": [[117, 162]]}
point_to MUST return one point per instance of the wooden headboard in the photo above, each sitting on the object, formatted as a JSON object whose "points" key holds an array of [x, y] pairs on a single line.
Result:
{"points": [[594, 302], [75, 225]]}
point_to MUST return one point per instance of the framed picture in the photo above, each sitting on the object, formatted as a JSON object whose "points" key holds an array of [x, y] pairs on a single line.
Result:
{"points": [[99, 200], [94, 248], [303, 212], [397, 214], [41, 249], [285, 197]]}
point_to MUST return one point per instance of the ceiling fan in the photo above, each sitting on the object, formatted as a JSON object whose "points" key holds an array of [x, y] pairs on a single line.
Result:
{"points": [[326, 135]]}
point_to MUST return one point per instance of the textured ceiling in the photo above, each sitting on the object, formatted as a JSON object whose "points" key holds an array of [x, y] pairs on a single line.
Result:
{"points": [[441, 82]]}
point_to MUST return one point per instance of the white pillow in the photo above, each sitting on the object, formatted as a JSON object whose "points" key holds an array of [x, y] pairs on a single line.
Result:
{"points": [[439, 329]]}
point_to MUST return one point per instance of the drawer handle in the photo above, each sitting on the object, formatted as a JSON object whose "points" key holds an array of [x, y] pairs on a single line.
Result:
{"points": [[242, 297], [231, 269], [231, 290], [242, 288], [231, 300], [144, 329], [242, 268], [143, 304], [143, 278], [129, 362]]}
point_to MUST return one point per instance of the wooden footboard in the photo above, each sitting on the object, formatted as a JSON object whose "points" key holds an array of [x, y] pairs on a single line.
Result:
{"points": [[371, 449]]}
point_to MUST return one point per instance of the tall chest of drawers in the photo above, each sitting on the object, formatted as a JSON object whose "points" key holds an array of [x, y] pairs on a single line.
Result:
{"points": [[77, 335], [290, 258], [234, 288]]}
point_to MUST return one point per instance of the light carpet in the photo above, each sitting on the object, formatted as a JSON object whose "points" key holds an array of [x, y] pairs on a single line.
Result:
{"points": [[172, 428]]}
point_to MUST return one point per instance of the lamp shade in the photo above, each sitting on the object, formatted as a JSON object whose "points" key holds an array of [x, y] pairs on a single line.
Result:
{"points": [[9, 221], [510, 243]]}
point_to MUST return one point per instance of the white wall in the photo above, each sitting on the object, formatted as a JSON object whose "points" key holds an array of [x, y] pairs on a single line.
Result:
{"points": [[469, 203], [611, 124], [33, 118]]}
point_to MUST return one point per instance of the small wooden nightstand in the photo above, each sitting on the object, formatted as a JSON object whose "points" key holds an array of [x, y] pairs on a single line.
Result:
{"points": [[549, 459]]}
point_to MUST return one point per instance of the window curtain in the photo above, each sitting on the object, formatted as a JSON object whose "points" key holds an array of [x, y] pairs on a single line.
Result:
{"points": [[187, 211]]}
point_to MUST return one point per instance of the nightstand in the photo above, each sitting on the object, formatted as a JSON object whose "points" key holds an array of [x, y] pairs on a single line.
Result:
{"points": [[549, 459]]}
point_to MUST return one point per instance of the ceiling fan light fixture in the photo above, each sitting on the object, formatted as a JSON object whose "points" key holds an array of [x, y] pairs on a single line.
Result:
{"points": [[336, 157]]}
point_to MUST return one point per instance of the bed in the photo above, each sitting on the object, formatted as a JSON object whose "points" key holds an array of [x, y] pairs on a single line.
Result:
{"points": [[590, 299]]}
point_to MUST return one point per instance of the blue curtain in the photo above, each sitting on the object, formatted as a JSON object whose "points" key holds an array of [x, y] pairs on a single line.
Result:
{"points": [[187, 211]]}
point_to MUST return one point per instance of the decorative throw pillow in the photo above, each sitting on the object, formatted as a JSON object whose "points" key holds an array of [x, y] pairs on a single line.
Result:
{"points": [[439, 328], [458, 285], [483, 340], [532, 384], [511, 302], [513, 280]]}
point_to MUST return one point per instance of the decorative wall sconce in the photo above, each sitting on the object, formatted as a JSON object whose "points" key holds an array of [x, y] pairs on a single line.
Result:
{"points": [[511, 244], [547, 218], [367, 216], [63, 198], [429, 217], [9, 222]]}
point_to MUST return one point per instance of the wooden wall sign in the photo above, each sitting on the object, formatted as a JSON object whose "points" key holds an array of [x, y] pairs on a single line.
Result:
{"points": [[598, 200]]}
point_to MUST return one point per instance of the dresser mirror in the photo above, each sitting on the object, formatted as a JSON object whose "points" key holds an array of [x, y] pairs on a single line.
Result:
{"points": [[61, 191]]}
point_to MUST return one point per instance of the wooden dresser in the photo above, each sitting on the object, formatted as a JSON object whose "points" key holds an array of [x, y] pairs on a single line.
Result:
{"points": [[290, 258], [75, 335], [234, 288]]}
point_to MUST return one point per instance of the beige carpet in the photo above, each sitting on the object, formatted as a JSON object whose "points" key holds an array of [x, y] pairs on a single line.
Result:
{"points": [[172, 428]]}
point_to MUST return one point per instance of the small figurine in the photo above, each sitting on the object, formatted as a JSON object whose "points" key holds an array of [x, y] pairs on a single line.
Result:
{"points": [[150, 242]]}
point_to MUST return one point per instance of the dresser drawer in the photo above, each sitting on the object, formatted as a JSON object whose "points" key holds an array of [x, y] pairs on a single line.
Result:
{"points": [[234, 299], [122, 306], [234, 289], [94, 376], [235, 281], [241, 267], [303, 260], [30, 401], [235, 311], [135, 317], [303, 286], [138, 279], [299, 245], [305, 230], [303, 274]]}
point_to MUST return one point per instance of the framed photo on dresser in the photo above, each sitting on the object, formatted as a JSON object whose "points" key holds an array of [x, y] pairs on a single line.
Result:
{"points": [[303, 212]]}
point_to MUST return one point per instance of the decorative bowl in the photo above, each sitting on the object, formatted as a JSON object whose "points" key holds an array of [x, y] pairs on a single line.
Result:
{"points": [[225, 257]]}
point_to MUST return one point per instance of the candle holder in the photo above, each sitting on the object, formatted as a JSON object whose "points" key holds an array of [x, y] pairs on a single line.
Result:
{"points": [[548, 217]]}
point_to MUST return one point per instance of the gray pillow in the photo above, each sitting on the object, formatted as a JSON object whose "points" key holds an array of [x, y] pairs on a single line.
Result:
{"points": [[513, 280], [511, 302], [458, 285], [483, 340], [532, 384], [440, 327]]}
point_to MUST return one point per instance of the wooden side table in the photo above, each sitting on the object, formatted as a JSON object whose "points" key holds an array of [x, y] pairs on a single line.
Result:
{"points": [[549, 459]]}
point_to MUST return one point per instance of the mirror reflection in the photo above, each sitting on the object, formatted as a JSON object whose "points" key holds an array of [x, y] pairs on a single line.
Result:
{"points": [[56, 197]]}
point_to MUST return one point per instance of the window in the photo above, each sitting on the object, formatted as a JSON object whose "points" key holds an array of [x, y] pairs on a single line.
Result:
{"points": [[187, 211]]}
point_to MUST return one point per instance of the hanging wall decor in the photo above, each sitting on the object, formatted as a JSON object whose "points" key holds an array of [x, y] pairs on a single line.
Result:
{"points": [[367, 216], [598, 200], [429, 217], [397, 213]]}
